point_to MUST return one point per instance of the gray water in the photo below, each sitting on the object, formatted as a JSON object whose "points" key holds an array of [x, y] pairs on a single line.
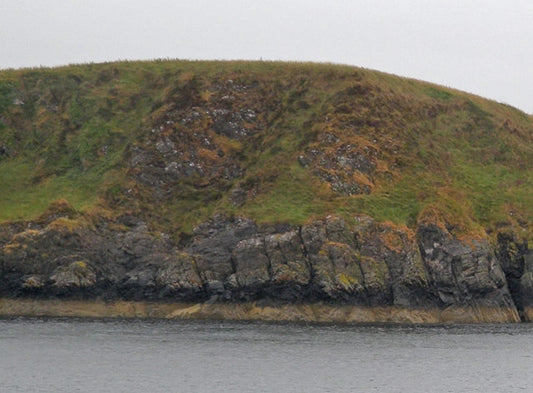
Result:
{"points": [[119, 356]]}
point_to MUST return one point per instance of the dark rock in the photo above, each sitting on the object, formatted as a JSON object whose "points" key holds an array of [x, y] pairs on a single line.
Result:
{"points": [[252, 265], [392, 264], [215, 287], [526, 281], [177, 272], [337, 271], [347, 168], [511, 253], [288, 261], [213, 244], [460, 273], [138, 242], [32, 282], [78, 274], [129, 220], [233, 124], [233, 259]]}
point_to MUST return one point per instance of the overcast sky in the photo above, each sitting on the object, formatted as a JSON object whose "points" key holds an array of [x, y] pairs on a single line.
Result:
{"points": [[480, 46]]}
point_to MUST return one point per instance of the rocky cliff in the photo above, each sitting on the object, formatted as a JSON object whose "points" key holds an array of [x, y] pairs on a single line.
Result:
{"points": [[329, 261], [265, 184]]}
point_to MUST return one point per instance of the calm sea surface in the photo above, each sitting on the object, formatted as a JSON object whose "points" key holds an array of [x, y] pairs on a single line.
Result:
{"points": [[69, 355]]}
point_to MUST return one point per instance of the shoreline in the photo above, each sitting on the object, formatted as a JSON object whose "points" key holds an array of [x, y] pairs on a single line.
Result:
{"points": [[252, 312]]}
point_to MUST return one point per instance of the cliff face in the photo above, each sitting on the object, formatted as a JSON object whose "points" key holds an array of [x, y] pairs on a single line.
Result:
{"points": [[280, 184], [362, 262]]}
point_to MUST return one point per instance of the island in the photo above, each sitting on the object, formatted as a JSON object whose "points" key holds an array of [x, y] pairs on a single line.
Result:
{"points": [[261, 191]]}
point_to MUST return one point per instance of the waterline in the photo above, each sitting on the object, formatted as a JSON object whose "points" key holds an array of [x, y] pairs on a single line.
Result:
{"points": [[253, 312]]}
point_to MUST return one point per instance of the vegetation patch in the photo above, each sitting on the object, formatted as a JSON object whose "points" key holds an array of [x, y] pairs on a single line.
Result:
{"points": [[176, 142]]}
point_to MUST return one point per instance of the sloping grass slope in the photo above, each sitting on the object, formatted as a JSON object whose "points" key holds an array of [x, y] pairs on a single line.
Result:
{"points": [[178, 141]]}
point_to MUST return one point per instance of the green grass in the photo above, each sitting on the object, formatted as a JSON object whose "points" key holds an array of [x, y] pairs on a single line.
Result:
{"points": [[436, 150], [21, 199], [294, 197], [493, 188]]}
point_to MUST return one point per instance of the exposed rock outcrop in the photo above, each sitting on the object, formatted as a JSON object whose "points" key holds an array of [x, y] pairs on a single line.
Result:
{"points": [[359, 262]]}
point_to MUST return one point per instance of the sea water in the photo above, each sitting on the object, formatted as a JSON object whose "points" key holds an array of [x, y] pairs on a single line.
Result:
{"points": [[119, 356]]}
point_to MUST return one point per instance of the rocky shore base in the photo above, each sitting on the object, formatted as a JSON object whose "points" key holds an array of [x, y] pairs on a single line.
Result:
{"points": [[323, 313], [329, 270]]}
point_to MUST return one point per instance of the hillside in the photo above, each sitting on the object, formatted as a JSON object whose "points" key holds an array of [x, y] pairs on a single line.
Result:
{"points": [[175, 153]]}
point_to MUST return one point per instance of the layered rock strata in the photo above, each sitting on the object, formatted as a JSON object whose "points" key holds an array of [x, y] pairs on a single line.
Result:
{"points": [[357, 263]]}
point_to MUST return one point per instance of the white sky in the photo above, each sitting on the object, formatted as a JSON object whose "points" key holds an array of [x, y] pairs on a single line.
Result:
{"points": [[480, 46]]}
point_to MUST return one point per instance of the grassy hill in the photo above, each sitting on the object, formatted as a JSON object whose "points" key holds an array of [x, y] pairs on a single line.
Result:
{"points": [[177, 141]]}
